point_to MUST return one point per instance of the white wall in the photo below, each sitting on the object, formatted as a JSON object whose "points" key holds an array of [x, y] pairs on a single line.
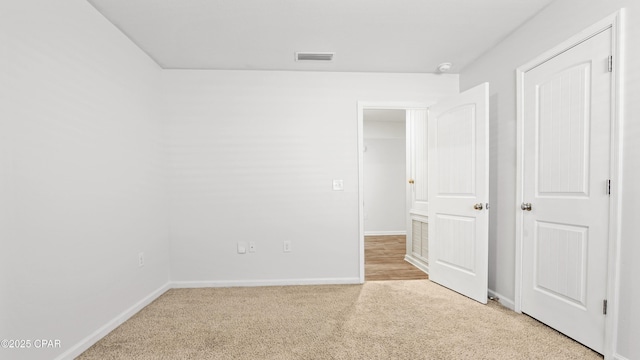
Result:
{"points": [[556, 23], [82, 180], [252, 156], [385, 175]]}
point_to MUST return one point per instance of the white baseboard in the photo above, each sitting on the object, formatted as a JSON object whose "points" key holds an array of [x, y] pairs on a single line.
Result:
{"points": [[417, 263], [383, 233], [252, 283], [506, 302], [619, 357], [93, 338]]}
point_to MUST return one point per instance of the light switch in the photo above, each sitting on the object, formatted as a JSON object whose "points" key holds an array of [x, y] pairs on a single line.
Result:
{"points": [[242, 247], [338, 185]]}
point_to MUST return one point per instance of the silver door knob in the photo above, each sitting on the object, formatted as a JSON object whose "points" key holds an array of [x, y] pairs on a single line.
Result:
{"points": [[526, 206], [478, 206]]}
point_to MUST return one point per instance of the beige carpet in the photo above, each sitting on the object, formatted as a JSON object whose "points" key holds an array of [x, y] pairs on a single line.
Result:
{"points": [[413, 319]]}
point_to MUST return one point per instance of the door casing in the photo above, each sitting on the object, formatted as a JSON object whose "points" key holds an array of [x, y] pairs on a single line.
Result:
{"points": [[615, 22]]}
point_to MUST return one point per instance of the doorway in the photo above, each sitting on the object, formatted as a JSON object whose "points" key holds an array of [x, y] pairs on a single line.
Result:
{"points": [[465, 114], [383, 191], [385, 168]]}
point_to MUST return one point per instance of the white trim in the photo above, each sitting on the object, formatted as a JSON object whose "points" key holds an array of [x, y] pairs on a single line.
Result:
{"points": [[361, 191], [615, 22], [519, 187], [362, 105], [255, 283], [619, 357], [385, 233], [417, 263], [97, 335], [417, 213], [504, 301], [419, 216], [615, 209]]}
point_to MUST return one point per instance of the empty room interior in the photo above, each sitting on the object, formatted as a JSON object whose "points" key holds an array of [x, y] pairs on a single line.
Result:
{"points": [[152, 151]]}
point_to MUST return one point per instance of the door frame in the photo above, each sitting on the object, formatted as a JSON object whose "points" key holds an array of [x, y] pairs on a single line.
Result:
{"points": [[362, 106], [615, 23]]}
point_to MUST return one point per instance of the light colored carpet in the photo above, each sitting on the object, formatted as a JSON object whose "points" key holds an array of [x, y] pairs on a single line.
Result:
{"points": [[414, 319]]}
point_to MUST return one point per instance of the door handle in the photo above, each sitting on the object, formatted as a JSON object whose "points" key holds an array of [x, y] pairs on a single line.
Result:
{"points": [[478, 206], [526, 206], [411, 181]]}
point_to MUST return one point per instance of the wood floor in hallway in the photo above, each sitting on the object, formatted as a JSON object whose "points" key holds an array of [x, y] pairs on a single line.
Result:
{"points": [[384, 259]]}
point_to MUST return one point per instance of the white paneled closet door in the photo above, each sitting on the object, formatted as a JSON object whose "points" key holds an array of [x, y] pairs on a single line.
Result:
{"points": [[566, 169]]}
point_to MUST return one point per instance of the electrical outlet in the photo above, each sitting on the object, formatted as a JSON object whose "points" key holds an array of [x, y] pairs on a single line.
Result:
{"points": [[252, 246], [286, 246], [140, 259]]}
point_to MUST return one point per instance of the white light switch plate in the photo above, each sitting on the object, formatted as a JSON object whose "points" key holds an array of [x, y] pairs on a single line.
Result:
{"points": [[338, 185], [242, 247]]}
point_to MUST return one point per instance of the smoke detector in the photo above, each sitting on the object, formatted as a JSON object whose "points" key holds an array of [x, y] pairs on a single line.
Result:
{"points": [[314, 56], [444, 67]]}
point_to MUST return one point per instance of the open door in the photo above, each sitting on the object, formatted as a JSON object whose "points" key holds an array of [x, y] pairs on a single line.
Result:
{"points": [[458, 165]]}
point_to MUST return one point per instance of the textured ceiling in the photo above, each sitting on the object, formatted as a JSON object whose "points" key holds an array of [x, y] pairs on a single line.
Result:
{"points": [[366, 35]]}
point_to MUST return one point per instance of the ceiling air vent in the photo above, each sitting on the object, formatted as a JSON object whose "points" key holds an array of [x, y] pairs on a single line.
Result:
{"points": [[315, 56]]}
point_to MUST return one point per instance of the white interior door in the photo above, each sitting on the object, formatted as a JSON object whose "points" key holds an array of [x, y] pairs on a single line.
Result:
{"points": [[566, 160], [417, 189], [458, 161], [418, 177]]}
